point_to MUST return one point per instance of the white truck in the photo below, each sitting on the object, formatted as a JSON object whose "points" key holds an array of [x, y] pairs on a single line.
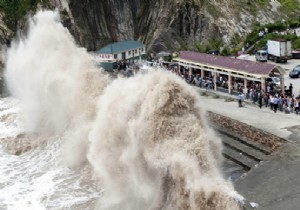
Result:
{"points": [[279, 50]]}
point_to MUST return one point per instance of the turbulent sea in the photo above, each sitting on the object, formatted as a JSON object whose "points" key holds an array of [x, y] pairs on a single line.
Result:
{"points": [[37, 179], [72, 138]]}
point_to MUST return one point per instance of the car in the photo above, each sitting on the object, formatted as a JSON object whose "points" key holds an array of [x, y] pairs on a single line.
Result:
{"points": [[261, 55], [274, 81], [295, 73], [213, 52]]}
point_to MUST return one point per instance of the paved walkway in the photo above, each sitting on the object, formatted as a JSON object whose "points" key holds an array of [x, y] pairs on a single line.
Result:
{"points": [[275, 183], [279, 124]]}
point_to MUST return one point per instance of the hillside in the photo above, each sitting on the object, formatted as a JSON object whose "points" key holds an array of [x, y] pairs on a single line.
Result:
{"points": [[161, 24]]}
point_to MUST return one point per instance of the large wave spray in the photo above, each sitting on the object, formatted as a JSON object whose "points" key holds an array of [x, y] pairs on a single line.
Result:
{"points": [[145, 137], [56, 81], [151, 147]]}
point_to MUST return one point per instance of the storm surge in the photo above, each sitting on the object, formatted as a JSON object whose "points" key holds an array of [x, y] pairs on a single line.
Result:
{"points": [[145, 139], [56, 82], [152, 149]]}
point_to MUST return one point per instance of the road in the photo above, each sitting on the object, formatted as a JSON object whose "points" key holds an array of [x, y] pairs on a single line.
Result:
{"points": [[288, 67]]}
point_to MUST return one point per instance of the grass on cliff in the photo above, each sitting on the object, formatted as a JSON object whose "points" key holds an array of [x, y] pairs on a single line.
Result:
{"points": [[279, 26], [286, 5], [289, 5], [291, 37], [15, 10]]}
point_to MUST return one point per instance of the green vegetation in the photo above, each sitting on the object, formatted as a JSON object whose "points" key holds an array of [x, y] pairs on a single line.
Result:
{"points": [[64, 13], [213, 10], [184, 46], [289, 5], [252, 38], [200, 48], [278, 26], [226, 51], [213, 44], [236, 39], [16, 9], [262, 2], [291, 37]]}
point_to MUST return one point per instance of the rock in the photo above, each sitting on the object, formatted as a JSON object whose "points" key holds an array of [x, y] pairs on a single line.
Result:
{"points": [[161, 25]]}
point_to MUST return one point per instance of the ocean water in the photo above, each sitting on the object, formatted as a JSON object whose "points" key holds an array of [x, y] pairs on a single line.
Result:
{"points": [[73, 138], [37, 179]]}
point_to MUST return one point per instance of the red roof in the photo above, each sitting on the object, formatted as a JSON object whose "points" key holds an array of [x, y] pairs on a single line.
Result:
{"points": [[250, 67]]}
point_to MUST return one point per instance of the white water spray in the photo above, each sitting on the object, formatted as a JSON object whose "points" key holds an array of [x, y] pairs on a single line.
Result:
{"points": [[145, 137], [151, 147], [56, 81]]}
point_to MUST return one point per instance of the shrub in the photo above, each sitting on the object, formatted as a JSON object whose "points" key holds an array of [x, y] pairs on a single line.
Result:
{"points": [[296, 44], [16, 9]]}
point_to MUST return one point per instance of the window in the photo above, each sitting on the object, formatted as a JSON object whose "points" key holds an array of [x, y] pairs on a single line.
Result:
{"points": [[115, 56]]}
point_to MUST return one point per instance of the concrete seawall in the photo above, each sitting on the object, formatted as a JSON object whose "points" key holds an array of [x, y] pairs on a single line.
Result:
{"points": [[272, 180], [244, 131]]}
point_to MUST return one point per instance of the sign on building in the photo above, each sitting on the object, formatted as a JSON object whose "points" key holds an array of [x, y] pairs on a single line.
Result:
{"points": [[101, 57]]}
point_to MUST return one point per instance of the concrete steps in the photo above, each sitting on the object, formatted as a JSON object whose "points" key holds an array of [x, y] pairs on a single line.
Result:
{"points": [[245, 153], [240, 158], [244, 147]]}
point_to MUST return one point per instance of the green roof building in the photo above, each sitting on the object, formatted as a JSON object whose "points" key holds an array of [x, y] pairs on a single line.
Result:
{"points": [[125, 50], [118, 47]]}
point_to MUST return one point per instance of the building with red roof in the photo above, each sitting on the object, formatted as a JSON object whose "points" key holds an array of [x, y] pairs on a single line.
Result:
{"points": [[233, 68]]}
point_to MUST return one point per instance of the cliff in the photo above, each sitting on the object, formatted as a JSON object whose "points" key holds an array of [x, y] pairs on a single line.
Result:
{"points": [[168, 25], [163, 24]]}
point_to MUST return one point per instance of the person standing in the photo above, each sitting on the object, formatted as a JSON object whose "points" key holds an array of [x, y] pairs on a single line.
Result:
{"points": [[275, 103], [240, 99], [272, 102], [280, 103], [291, 89], [266, 98], [260, 99], [296, 106], [292, 103], [197, 80], [268, 89]]}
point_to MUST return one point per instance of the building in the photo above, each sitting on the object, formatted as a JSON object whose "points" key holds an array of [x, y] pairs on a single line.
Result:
{"points": [[232, 69], [107, 56]]}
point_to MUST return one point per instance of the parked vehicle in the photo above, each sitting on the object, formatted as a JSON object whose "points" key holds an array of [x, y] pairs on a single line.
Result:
{"points": [[213, 52], [279, 50], [261, 55], [274, 81], [275, 84], [295, 73]]}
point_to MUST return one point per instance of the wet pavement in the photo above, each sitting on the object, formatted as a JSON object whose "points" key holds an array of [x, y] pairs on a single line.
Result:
{"points": [[275, 183]]}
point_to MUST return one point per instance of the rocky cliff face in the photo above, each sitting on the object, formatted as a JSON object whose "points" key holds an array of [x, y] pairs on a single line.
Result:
{"points": [[164, 24], [161, 24], [5, 32]]}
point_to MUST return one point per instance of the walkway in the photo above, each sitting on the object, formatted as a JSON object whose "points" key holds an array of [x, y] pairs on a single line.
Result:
{"points": [[279, 124], [274, 184]]}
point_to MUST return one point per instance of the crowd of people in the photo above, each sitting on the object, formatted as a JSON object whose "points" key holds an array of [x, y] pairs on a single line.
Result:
{"points": [[287, 103], [272, 97], [194, 78], [276, 101]]}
